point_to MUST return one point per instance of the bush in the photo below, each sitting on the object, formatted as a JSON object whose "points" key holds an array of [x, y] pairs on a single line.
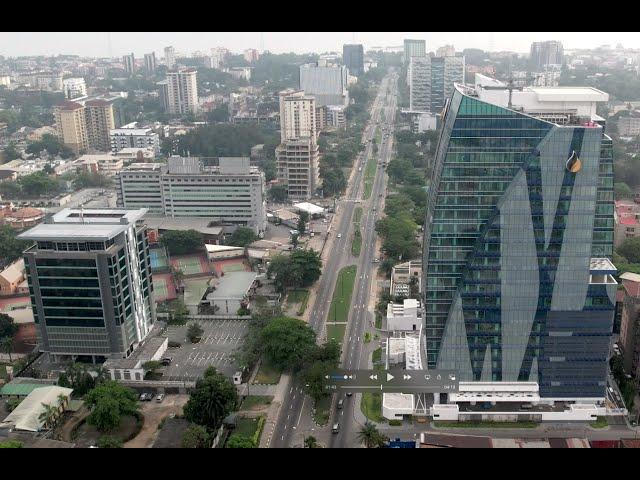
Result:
{"points": [[395, 423], [108, 442], [174, 344], [240, 441]]}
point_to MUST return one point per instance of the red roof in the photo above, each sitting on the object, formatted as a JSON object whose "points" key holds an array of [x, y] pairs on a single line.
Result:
{"points": [[27, 212], [626, 219], [630, 443], [632, 288]]}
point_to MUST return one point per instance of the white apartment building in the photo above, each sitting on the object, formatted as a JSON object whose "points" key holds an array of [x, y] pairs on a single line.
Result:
{"points": [[169, 57], [231, 192], [406, 316], [132, 136], [297, 115], [74, 87], [182, 91]]}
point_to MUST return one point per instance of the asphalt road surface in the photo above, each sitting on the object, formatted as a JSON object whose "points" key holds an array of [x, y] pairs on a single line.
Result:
{"points": [[293, 406]]}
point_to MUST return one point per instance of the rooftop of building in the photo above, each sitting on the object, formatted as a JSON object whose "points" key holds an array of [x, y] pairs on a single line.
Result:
{"points": [[80, 224], [13, 272], [97, 102], [201, 224], [27, 415], [68, 105], [602, 265], [140, 355], [233, 285]]}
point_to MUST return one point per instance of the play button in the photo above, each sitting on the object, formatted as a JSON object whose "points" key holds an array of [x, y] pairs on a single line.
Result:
{"points": [[389, 377]]}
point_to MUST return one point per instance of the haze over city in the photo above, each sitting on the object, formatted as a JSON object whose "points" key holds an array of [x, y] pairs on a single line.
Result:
{"points": [[97, 43]]}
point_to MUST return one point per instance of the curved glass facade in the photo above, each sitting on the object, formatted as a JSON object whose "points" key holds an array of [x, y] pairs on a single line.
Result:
{"points": [[512, 225]]}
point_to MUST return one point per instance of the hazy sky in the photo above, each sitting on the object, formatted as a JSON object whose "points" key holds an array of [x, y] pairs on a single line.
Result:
{"points": [[97, 43]]}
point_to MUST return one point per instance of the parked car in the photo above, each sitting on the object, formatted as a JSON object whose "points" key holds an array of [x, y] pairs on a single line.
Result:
{"points": [[160, 397], [335, 428], [166, 361], [340, 404]]}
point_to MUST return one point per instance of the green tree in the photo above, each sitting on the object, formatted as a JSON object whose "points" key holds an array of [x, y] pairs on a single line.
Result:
{"points": [[92, 180], [78, 377], [11, 152], [11, 248], [6, 344], [314, 381], [310, 442], [218, 114], [49, 415], [196, 436], [371, 437], [278, 193], [287, 343], [150, 368], [108, 442], [303, 219], [630, 249], [7, 326], [108, 403], [240, 441], [180, 242], [242, 237], [212, 399], [194, 332], [12, 403], [300, 268], [38, 185]]}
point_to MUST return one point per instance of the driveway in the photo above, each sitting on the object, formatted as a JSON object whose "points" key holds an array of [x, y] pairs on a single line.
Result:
{"points": [[153, 414]]}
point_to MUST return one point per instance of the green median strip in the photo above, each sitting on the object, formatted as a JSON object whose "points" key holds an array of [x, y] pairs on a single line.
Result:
{"points": [[369, 177], [356, 244], [339, 310]]}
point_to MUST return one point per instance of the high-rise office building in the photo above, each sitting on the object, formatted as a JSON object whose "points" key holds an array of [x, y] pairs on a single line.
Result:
{"points": [[129, 62], [544, 54], [297, 157], [100, 121], [182, 91], [150, 62], [327, 83], [431, 81], [232, 191], [90, 283], [71, 126], [414, 48], [353, 59], [519, 230], [170, 57], [163, 94]]}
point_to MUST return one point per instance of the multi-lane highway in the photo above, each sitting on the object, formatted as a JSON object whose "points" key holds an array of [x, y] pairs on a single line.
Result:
{"points": [[296, 404]]}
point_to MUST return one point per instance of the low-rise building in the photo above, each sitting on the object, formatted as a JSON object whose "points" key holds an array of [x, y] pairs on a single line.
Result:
{"points": [[134, 136], [24, 217], [627, 223], [232, 292], [106, 164], [629, 332], [405, 316], [12, 277], [404, 276], [131, 368]]}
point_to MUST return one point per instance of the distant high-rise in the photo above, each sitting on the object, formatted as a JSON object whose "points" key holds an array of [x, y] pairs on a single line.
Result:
{"points": [[297, 157], [328, 83], [251, 55], [353, 59], [100, 120], [169, 57], [431, 81], [129, 62], [544, 54], [519, 288], [71, 126], [414, 48], [150, 62], [446, 51], [163, 94], [89, 276], [182, 91]]}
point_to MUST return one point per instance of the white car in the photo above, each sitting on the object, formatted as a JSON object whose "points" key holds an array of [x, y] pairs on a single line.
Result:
{"points": [[339, 235]]}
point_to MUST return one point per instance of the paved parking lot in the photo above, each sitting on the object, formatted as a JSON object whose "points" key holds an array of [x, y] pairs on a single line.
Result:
{"points": [[221, 338]]}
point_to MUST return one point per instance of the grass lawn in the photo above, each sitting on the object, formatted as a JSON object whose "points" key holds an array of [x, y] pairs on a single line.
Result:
{"points": [[357, 215], [356, 244], [369, 177], [336, 331], [321, 414], [371, 406], [378, 321], [376, 358], [267, 375], [601, 422], [300, 297], [255, 401], [485, 424], [3, 371], [246, 426], [339, 309]]}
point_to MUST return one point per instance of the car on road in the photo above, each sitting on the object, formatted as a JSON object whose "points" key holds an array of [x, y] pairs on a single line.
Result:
{"points": [[165, 362], [339, 235], [349, 394], [340, 404], [335, 428], [375, 260], [160, 397]]}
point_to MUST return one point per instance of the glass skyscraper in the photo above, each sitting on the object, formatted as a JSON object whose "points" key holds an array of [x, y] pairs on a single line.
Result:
{"points": [[519, 230]]}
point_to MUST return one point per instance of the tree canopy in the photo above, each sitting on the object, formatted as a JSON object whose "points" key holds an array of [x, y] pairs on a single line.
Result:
{"points": [[630, 249], [287, 343], [212, 399], [108, 403], [180, 242], [242, 237], [8, 328], [300, 268], [196, 436]]}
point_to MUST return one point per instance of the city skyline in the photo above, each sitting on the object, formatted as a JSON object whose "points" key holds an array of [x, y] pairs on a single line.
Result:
{"points": [[113, 44]]}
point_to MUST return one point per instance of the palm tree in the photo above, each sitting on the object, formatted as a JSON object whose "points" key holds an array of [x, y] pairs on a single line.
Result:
{"points": [[310, 442], [49, 416], [6, 343], [370, 436], [62, 400]]}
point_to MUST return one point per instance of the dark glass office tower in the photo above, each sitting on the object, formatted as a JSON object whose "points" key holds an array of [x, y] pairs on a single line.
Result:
{"points": [[519, 230], [90, 283], [353, 59]]}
